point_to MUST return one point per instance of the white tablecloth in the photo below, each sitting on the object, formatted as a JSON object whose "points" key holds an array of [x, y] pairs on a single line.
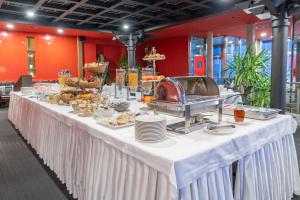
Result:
{"points": [[96, 162]]}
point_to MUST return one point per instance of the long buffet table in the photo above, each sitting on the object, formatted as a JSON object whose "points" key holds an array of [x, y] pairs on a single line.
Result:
{"points": [[96, 162]]}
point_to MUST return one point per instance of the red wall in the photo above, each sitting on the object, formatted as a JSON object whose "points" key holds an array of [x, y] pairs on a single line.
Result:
{"points": [[111, 49], [89, 52], [61, 53], [113, 54], [13, 59], [50, 56], [176, 50]]}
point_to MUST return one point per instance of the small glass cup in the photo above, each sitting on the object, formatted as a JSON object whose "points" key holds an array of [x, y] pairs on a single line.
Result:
{"points": [[239, 113], [120, 83], [147, 73]]}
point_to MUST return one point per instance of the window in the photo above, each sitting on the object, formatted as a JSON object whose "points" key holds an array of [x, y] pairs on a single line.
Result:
{"points": [[197, 56]]}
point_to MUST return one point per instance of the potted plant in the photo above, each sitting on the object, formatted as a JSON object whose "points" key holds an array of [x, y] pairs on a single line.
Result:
{"points": [[248, 72]]}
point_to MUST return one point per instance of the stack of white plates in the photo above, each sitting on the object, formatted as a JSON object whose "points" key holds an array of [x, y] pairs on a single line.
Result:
{"points": [[27, 91], [150, 128]]}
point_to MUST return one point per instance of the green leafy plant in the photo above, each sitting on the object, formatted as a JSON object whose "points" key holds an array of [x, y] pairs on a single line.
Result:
{"points": [[123, 63], [249, 75]]}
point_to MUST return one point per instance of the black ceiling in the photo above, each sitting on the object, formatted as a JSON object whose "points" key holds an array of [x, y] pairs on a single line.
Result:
{"points": [[109, 15]]}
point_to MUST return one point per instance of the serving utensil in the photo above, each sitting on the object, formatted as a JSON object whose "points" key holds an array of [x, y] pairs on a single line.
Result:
{"points": [[214, 127]]}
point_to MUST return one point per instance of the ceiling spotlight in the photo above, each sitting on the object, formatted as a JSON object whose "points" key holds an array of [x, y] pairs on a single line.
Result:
{"points": [[48, 37], [263, 34], [10, 26], [4, 34], [30, 14], [60, 30], [125, 26]]}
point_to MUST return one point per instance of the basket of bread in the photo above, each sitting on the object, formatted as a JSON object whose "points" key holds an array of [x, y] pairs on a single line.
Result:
{"points": [[92, 82], [88, 96], [66, 97], [72, 82], [95, 67], [156, 56]]}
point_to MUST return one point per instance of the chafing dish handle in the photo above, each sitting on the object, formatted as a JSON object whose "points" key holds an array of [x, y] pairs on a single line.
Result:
{"points": [[220, 111], [187, 118]]}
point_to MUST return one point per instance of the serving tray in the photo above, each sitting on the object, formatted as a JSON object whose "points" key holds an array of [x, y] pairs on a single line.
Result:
{"points": [[253, 112], [108, 125]]}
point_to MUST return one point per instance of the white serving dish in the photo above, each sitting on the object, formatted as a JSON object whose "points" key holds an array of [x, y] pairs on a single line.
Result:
{"points": [[108, 125]]}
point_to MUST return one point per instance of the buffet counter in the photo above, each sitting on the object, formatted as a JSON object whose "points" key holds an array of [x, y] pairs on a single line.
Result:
{"points": [[96, 162]]}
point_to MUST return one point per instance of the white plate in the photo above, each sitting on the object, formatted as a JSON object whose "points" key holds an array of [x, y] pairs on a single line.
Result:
{"points": [[150, 118], [245, 123], [219, 131]]}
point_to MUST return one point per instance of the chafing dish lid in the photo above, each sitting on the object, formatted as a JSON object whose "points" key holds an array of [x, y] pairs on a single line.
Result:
{"points": [[197, 85], [170, 90], [186, 89]]}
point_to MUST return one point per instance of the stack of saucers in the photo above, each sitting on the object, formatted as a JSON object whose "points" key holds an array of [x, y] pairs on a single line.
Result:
{"points": [[150, 128]]}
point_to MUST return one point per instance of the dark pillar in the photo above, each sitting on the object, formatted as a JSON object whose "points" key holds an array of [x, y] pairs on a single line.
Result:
{"points": [[210, 54], [280, 26], [131, 47], [296, 39], [297, 67]]}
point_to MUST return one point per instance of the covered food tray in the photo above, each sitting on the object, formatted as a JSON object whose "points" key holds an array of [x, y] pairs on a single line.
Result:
{"points": [[187, 97]]}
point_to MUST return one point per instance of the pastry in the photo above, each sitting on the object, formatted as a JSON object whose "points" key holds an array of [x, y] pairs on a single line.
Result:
{"points": [[69, 90], [92, 82], [72, 82], [67, 97], [123, 119]]}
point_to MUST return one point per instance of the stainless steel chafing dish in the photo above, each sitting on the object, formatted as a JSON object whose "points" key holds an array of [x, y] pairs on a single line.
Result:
{"points": [[187, 97]]}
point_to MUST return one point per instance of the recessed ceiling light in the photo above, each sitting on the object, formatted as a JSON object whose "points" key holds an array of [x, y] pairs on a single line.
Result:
{"points": [[48, 37], [30, 14], [4, 34], [60, 30], [10, 26], [263, 34], [125, 26]]}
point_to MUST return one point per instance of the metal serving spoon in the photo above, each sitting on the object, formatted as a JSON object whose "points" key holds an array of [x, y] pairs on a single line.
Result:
{"points": [[212, 127]]}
